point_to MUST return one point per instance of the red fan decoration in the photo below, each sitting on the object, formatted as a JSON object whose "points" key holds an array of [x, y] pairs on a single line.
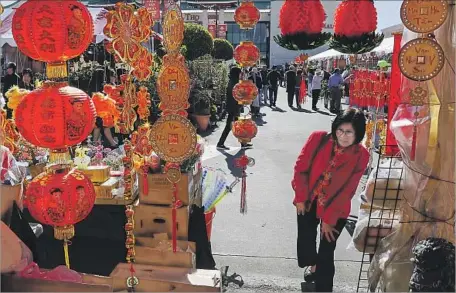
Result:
{"points": [[53, 32], [60, 198], [245, 92], [247, 54], [301, 24], [247, 15], [55, 116], [244, 129], [355, 22]]}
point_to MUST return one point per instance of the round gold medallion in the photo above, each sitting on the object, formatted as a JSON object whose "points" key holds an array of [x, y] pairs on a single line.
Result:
{"points": [[424, 16], [173, 175], [173, 138], [173, 29], [421, 59]]}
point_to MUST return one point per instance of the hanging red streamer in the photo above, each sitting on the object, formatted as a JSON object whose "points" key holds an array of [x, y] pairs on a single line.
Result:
{"points": [[145, 182], [302, 92], [243, 162], [176, 204], [413, 150]]}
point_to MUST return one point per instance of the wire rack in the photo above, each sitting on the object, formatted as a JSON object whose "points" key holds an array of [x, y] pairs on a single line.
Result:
{"points": [[383, 210]]}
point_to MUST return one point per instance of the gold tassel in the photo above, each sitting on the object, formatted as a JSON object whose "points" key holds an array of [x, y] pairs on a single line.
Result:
{"points": [[56, 70], [65, 233], [65, 250], [59, 157]]}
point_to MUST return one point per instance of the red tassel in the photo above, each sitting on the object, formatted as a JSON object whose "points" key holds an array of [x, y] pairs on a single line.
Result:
{"points": [[145, 182], [413, 151], [132, 269], [244, 193], [174, 218]]}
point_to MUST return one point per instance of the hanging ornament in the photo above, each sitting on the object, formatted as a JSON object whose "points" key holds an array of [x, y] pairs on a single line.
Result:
{"points": [[355, 22], [60, 198], [244, 129], [8, 134], [301, 59], [301, 24], [173, 30], [247, 15], [130, 101], [247, 54], [143, 103], [243, 162], [142, 66], [245, 92], [52, 32], [142, 149], [424, 16]]}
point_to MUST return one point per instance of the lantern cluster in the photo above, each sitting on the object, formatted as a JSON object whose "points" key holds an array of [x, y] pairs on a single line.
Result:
{"points": [[355, 22]]}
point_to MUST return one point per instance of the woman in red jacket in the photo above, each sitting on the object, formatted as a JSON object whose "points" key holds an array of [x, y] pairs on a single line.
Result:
{"points": [[325, 179]]}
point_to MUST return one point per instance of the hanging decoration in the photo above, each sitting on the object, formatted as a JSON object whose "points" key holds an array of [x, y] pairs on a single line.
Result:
{"points": [[355, 22], [144, 103], [247, 54], [60, 198], [247, 15], [301, 24], [142, 66], [141, 152], [106, 109], [129, 102], [52, 32], [421, 59], [369, 88], [173, 137], [242, 163], [301, 58], [8, 134], [245, 92], [244, 129]]}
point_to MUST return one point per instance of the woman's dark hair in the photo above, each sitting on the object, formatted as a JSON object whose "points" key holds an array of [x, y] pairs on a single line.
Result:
{"points": [[356, 118], [299, 72], [28, 72]]}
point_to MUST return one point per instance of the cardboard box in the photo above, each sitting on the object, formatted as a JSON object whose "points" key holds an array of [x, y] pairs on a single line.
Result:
{"points": [[167, 279], [98, 174], [161, 191], [150, 220], [104, 190], [150, 251]]}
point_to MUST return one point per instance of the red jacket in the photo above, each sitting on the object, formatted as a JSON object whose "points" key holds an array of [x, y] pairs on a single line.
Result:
{"points": [[345, 178]]}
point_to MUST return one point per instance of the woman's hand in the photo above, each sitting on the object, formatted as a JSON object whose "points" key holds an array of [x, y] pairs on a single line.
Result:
{"points": [[300, 208], [328, 231]]}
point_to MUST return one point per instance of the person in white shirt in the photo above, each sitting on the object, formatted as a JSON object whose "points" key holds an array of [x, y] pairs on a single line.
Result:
{"points": [[316, 88]]}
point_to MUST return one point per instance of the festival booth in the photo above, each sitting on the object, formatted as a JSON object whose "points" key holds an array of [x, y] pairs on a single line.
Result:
{"points": [[77, 216]]}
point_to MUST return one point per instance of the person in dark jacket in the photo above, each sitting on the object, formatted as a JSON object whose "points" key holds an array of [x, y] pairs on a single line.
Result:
{"points": [[27, 80], [290, 78], [9, 80], [264, 87], [232, 108], [273, 78], [255, 76]]}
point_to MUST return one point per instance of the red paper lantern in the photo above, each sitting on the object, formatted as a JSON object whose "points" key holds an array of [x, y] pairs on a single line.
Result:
{"points": [[244, 129], [301, 16], [355, 17], [55, 116], [247, 54], [245, 92], [52, 31], [247, 15]]}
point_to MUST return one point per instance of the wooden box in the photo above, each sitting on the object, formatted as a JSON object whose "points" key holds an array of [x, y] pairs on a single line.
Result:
{"points": [[167, 279], [98, 174], [150, 251], [104, 190], [150, 220], [161, 192]]}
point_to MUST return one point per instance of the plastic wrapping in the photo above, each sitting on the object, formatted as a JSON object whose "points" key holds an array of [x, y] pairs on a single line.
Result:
{"points": [[428, 200]]}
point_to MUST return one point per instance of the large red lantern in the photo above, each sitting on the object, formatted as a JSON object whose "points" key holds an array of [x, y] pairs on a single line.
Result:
{"points": [[355, 22], [245, 92], [55, 116], [53, 32], [244, 129], [247, 15], [60, 198], [247, 54]]}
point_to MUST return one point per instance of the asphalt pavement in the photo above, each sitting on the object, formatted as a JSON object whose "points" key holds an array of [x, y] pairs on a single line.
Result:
{"points": [[260, 246]]}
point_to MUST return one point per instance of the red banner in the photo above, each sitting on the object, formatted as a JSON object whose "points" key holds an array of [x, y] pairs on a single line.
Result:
{"points": [[153, 6], [394, 96], [222, 28], [212, 28]]}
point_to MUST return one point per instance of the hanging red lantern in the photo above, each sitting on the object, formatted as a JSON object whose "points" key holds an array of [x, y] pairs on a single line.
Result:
{"points": [[355, 22], [244, 129], [60, 198], [245, 92], [301, 24], [52, 32], [247, 15], [247, 54], [55, 116]]}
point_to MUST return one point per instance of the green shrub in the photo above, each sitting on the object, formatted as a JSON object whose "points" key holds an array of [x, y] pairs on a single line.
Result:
{"points": [[222, 49], [197, 40]]}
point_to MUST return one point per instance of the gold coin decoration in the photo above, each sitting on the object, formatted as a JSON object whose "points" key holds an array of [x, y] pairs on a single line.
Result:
{"points": [[418, 96], [173, 175], [421, 59], [173, 83], [424, 16], [173, 29], [173, 138]]}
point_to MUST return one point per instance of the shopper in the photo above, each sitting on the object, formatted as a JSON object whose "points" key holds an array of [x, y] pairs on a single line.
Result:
{"points": [[316, 88], [334, 83], [232, 108], [27, 80], [255, 76], [298, 87], [326, 176], [273, 82], [290, 83], [8, 81], [264, 88]]}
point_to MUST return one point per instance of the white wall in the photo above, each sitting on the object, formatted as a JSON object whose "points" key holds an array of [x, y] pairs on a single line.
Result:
{"points": [[279, 55]]}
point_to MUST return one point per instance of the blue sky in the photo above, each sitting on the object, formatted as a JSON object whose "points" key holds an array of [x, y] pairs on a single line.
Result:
{"points": [[388, 13]]}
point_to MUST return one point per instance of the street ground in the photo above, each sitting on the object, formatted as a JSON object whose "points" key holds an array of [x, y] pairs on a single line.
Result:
{"points": [[261, 245]]}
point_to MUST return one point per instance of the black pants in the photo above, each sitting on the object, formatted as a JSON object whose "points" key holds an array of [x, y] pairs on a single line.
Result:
{"points": [[291, 95], [229, 122], [315, 97], [336, 95], [307, 249], [272, 95]]}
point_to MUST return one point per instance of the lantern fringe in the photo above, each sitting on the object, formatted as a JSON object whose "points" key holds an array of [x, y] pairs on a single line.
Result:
{"points": [[56, 70], [64, 233], [302, 40], [244, 193], [60, 157], [356, 44]]}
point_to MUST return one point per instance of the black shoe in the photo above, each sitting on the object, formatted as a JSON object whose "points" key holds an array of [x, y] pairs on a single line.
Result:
{"points": [[246, 145], [315, 108], [310, 277], [222, 146]]}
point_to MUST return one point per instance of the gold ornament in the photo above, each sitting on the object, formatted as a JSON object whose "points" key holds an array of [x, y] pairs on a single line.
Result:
{"points": [[424, 16], [173, 29]]}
